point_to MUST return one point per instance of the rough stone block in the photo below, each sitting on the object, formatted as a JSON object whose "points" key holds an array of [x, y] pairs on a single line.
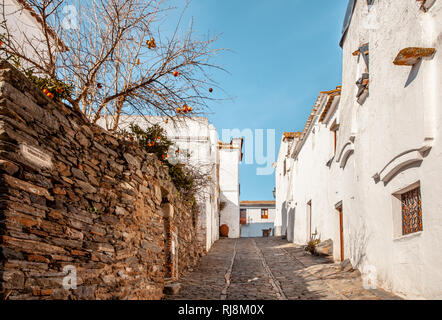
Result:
{"points": [[325, 248], [172, 289], [346, 266], [168, 210]]}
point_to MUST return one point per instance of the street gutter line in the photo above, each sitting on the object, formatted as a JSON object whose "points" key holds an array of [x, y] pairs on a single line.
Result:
{"points": [[228, 275], [273, 281]]}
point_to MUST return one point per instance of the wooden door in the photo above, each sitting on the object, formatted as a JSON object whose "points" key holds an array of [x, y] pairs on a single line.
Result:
{"points": [[341, 232], [309, 221]]}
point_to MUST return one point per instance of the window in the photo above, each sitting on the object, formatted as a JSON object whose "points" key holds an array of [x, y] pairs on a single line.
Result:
{"points": [[264, 213], [411, 211], [285, 167]]}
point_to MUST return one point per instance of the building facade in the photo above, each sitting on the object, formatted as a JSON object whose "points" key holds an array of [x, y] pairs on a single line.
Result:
{"points": [[366, 170], [257, 218]]}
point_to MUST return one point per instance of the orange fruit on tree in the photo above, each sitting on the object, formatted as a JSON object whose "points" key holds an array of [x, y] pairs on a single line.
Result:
{"points": [[178, 110], [190, 109], [45, 91], [211, 90], [185, 108], [176, 73]]}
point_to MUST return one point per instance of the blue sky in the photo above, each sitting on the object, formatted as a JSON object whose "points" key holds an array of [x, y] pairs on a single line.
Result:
{"points": [[283, 53]]}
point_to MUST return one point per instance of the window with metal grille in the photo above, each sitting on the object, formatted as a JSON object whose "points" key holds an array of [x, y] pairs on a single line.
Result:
{"points": [[264, 213], [411, 211]]}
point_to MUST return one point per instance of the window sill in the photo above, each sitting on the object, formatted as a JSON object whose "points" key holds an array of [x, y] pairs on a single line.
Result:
{"points": [[408, 236]]}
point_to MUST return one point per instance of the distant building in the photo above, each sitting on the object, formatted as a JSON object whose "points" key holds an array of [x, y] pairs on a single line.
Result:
{"points": [[257, 218]]}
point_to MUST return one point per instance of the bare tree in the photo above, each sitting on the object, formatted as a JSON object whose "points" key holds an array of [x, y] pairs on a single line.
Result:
{"points": [[116, 56]]}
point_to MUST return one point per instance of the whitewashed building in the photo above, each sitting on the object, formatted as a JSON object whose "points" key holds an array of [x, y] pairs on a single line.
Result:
{"points": [[199, 147], [367, 169], [257, 218], [230, 155], [283, 167], [24, 30]]}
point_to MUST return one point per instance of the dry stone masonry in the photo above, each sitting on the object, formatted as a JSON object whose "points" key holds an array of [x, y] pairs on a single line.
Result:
{"points": [[75, 197]]}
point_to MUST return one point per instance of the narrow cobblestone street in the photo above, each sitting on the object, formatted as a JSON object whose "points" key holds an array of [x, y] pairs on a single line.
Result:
{"points": [[270, 269]]}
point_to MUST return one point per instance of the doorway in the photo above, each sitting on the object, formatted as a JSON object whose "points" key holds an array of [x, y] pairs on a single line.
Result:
{"points": [[309, 221], [291, 225], [341, 230]]}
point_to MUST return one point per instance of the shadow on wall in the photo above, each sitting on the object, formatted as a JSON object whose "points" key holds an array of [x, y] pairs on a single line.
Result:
{"points": [[357, 242], [413, 73], [284, 219], [226, 217], [291, 225]]}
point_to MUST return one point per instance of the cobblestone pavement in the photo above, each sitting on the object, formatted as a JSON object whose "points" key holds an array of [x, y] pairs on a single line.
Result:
{"points": [[270, 269]]}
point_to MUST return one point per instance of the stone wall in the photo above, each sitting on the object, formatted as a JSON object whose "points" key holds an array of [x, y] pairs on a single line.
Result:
{"points": [[74, 198]]}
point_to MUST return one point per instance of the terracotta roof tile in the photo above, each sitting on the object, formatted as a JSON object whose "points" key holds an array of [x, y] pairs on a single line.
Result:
{"points": [[291, 135]]}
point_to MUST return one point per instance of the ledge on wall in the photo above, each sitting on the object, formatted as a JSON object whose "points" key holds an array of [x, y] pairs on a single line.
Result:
{"points": [[400, 162], [346, 151], [411, 56]]}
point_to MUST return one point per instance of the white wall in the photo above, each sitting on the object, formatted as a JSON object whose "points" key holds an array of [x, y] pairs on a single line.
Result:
{"points": [[282, 186], [26, 33], [229, 187], [394, 120]]}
